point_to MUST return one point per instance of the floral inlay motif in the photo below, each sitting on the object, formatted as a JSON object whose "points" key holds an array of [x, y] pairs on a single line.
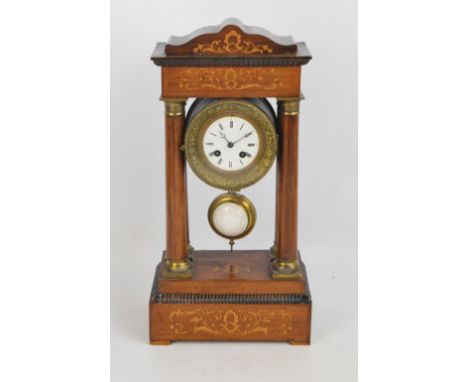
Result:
{"points": [[232, 44], [232, 78], [229, 321]]}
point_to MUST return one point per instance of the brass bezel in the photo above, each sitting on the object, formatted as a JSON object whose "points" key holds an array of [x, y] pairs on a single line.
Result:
{"points": [[238, 199], [231, 180]]}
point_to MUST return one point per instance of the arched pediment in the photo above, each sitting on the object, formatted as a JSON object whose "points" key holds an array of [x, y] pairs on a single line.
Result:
{"points": [[231, 37]]}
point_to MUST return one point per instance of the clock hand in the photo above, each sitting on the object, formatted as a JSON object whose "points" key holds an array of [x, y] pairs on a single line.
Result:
{"points": [[229, 144], [222, 135], [240, 139]]}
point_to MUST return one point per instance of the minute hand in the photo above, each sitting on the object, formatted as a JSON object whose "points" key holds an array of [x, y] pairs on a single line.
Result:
{"points": [[240, 139]]}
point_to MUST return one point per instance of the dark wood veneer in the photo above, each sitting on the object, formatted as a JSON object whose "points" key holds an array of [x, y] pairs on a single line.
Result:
{"points": [[231, 37], [231, 44]]}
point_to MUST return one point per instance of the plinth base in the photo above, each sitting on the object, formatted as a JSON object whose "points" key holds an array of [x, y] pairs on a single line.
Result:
{"points": [[231, 297]]}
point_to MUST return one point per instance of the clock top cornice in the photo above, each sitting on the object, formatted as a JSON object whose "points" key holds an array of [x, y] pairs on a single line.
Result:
{"points": [[231, 44]]}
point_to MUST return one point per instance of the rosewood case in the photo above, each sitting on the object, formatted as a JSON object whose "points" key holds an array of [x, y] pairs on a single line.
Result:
{"points": [[260, 295]]}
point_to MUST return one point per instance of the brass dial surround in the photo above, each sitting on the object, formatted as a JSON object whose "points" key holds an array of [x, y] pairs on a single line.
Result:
{"points": [[231, 180]]}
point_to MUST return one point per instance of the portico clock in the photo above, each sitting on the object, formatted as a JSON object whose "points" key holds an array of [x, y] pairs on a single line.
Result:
{"points": [[230, 137]]}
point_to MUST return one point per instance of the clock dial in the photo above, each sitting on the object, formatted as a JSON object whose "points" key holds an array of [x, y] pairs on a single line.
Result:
{"points": [[231, 143]]}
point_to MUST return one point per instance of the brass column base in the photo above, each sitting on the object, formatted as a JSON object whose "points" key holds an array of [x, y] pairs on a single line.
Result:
{"points": [[281, 269], [177, 269]]}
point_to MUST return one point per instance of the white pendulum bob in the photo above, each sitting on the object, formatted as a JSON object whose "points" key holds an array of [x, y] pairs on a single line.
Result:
{"points": [[232, 216], [230, 219]]}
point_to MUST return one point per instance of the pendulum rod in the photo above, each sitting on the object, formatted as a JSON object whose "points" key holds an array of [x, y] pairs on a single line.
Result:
{"points": [[231, 242]]}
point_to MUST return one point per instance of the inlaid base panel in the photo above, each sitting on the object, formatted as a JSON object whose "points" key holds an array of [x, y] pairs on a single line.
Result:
{"points": [[231, 297], [229, 322]]}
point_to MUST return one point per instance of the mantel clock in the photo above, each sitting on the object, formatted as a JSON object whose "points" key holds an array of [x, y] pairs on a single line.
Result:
{"points": [[230, 137]]}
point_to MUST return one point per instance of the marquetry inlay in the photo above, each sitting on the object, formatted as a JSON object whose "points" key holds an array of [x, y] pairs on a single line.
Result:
{"points": [[232, 44], [229, 321], [232, 78]]}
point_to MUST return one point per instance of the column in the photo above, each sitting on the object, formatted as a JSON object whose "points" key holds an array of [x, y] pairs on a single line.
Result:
{"points": [[285, 264], [176, 263]]}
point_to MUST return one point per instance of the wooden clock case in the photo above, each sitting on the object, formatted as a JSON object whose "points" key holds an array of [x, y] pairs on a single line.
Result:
{"points": [[259, 295]]}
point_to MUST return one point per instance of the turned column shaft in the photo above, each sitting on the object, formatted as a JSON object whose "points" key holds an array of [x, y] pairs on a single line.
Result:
{"points": [[187, 234], [287, 178], [274, 249], [176, 192]]}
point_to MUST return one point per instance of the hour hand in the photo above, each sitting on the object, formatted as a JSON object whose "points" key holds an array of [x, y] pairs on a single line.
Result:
{"points": [[222, 135]]}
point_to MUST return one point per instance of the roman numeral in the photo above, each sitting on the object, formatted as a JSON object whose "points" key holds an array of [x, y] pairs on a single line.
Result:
{"points": [[231, 124], [213, 134], [251, 144], [230, 164], [220, 160], [242, 126], [220, 126], [240, 160], [210, 143]]}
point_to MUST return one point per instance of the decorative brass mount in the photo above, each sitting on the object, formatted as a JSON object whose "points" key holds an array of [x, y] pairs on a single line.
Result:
{"points": [[177, 269], [174, 106], [289, 106], [284, 269]]}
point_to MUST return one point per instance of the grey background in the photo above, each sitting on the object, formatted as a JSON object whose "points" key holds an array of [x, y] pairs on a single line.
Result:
{"points": [[327, 196]]}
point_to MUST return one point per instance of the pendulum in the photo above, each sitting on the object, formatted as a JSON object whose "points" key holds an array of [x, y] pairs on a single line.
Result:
{"points": [[232, 216]]}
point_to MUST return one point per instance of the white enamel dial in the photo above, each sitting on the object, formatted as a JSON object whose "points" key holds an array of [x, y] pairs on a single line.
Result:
{"points": [[231, 143]]}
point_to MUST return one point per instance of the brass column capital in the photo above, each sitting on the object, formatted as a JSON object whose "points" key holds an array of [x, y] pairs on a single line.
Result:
{"points": [[289, 106], [174, 106]]}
